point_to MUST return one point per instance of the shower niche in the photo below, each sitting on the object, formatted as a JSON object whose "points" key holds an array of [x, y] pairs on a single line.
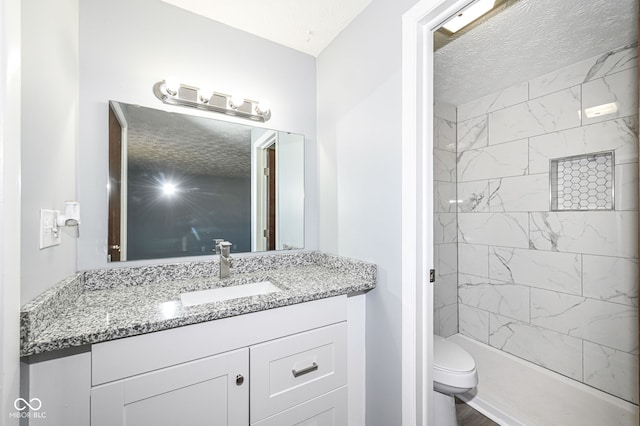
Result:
{"points": [[582, 182]]}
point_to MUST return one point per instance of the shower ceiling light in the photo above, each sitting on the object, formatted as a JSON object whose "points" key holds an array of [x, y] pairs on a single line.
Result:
{"points": [[468, 15], [172, 92], [604, 109]]}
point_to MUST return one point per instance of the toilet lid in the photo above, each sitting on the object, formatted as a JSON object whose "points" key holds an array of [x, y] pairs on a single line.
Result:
{"points": [[449, 356]]}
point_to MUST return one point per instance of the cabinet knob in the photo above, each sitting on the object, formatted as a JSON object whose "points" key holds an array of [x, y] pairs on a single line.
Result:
{"points": [[239, 380]]}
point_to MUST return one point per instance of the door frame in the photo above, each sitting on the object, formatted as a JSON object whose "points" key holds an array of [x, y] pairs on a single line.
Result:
{"points": [[418, 24], [259, 188], [10, 211]]}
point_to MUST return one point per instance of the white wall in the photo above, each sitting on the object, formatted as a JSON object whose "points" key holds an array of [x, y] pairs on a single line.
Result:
{"points": [[49, 135], [9, 206], [359, 157], [127, 46]]}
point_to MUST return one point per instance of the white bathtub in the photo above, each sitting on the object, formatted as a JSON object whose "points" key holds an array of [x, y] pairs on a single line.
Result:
{"points": [[515, 392]]}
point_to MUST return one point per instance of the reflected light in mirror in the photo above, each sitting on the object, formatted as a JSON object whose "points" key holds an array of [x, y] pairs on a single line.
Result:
{"points": [[169, 189]]}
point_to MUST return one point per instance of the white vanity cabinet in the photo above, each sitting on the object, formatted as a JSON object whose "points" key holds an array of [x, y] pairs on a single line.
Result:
{"points": [[285, 366]]}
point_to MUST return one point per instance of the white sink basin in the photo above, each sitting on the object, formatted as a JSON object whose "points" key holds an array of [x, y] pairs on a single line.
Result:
{"points": [[225, 293]]}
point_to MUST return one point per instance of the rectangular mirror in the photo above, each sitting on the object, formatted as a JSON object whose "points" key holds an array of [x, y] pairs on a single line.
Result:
{"points": [[178, 183]]}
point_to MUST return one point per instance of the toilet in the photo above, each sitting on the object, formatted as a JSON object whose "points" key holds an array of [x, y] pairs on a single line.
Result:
{"points": [[454, 372]]}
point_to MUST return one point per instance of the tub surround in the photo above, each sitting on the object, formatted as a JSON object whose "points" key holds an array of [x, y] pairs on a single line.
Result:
{"points": [[512, 391], [100, 305], [556, 288]]}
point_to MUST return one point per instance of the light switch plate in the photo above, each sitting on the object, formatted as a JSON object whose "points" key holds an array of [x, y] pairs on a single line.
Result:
{"points": [[48, 238]]}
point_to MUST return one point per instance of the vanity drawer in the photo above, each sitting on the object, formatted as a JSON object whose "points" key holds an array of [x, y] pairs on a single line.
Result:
{"points": [[326, 410], [291, 370]]}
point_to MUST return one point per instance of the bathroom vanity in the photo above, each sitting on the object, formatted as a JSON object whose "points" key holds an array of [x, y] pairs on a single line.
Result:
{"points": [[118, 347]]}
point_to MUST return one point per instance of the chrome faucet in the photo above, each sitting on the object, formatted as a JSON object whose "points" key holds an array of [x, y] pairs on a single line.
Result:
{"points": [[225, 259]]}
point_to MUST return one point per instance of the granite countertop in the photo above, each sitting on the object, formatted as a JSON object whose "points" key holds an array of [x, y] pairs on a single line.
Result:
{"points": [[101, 305]]}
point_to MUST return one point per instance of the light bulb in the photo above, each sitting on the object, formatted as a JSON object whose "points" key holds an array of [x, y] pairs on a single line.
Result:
{"points": [[264, 106], [237, 101], [205, 94], [172, 85]]}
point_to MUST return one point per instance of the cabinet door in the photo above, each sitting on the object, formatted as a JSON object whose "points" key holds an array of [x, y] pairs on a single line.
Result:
{"points": [[202, 392], [326, 410]]}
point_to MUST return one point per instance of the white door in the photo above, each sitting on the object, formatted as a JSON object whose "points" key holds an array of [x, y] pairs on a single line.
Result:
{"points": [[212, 391]]}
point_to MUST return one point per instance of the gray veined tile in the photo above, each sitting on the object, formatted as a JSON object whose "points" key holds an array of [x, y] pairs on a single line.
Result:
{"points": [[446, 258], [594, 320], [472, 134], [612, 371], [613, 279], [448, 320], [508, 159], [497, 229], [620, 59], [594, 232], [535, 268], [444, 134], [445, 197], [550, 113], [445, 290], [626, 186], [445, 111], [444, 165], [473, 260], [474, 323], [498, 100], [510, 300], [619, 135], [520, 193], [473, 196], [445, 228], [547, 348], [598, 66], [620, 88]]}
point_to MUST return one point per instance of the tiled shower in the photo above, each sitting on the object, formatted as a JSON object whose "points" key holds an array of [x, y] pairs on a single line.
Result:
{"points": [[532, 257]]}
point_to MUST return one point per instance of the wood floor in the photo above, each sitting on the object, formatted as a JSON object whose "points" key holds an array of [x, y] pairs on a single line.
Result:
{"points": [[467, 416]]}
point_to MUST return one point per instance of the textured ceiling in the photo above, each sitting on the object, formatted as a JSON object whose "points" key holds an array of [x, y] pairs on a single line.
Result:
{"points": [[164, 141], [305, 25], [529, 39]]}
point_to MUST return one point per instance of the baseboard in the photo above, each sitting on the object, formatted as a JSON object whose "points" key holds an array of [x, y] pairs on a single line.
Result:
{"points": [[495, 414]]}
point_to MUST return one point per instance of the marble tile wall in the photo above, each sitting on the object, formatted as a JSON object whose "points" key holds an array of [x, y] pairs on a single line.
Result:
{"points": [[445, 221], [559, 289]]}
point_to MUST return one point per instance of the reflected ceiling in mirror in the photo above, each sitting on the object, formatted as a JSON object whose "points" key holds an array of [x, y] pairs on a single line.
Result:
{"points": [[179, 182]]}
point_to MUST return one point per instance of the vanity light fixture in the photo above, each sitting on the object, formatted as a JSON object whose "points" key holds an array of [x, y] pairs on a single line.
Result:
{"points": [[172, 92], [468, 15]]}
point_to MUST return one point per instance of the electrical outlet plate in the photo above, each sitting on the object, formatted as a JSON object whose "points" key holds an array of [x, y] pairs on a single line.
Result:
{"points": [[48, 238]]}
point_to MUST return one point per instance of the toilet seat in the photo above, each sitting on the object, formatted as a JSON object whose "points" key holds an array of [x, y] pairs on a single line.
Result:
{"points": [[453, 367]]}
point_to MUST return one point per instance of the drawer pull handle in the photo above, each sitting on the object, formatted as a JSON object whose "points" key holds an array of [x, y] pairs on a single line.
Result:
{"points": [[298, 373]]}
